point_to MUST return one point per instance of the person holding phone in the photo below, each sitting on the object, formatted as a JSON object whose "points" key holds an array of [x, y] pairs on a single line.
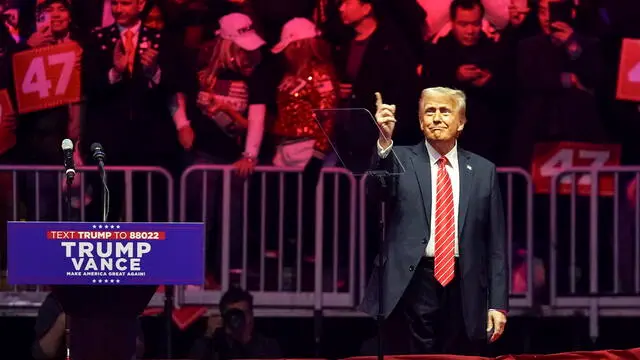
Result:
{"points": [[467, 59], [558, 72]]}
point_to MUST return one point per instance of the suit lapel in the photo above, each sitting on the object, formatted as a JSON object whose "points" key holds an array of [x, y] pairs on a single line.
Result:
{"points": [[423, 174], [466, 180]]}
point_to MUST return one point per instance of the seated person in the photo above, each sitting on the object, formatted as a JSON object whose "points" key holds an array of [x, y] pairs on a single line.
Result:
{"points": [[231, 334], [50, 339]]}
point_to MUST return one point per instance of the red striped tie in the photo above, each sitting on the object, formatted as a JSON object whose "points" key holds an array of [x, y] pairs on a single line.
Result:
{"points": [[445, 227]]}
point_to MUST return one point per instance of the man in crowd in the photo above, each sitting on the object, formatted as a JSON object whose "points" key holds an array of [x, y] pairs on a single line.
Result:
{"points": [[231, 335], [135, 105], [376, 58], [556, 97], [468, 60]]}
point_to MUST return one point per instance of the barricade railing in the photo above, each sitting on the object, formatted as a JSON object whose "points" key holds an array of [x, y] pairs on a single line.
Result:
{"points": [[518, 199], [271, 201], [601, 247], [595, 241], [37, 194]]}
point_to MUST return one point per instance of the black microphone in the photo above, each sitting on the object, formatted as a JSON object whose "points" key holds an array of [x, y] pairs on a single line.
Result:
{"points": [[69, 166], [98, 154]]}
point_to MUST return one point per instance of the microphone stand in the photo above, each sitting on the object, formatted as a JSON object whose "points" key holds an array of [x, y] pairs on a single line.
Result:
{"points": [[105, 190], [68, 197]]}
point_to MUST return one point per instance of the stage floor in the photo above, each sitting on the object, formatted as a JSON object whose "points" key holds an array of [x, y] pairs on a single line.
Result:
{"points": [[344, 337]]}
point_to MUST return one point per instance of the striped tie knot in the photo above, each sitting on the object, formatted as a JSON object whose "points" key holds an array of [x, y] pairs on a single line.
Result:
{"points": [[442, 162]]}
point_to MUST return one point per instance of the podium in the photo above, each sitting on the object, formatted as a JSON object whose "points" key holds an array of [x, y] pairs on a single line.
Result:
{"points": [[104, 274]]}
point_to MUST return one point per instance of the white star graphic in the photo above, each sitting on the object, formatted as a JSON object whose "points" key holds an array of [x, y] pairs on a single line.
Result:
{"points": [[112, 226], [99, 226], [94, 281], [100, 281], [118, 281], [117, 226], [94, 226], [112, 281]]}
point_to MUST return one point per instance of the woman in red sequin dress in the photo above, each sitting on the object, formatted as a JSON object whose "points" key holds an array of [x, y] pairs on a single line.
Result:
{"points": [[309, 84]]}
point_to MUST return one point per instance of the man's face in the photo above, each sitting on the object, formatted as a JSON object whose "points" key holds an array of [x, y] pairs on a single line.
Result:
{"points": [[440, 120], [353, 11], [60, 18], [467, 25], [127, 12], [543, 16]]}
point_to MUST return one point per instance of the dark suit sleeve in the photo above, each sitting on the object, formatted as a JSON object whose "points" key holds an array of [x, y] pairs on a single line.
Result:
{"points": [[498, 281], [390, 163], [385, 187], [96, 63]]}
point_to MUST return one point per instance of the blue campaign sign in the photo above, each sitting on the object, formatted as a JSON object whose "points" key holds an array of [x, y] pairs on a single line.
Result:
{"points": [[81, 253]]}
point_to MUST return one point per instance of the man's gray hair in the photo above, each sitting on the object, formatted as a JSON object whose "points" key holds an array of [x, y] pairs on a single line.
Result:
{"points": [[458, 98]]}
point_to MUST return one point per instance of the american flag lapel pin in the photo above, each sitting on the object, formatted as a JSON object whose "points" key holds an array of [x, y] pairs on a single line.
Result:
{"points": [[469, 167]]}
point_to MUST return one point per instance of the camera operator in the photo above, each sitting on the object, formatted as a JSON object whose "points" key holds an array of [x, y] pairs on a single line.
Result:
{"points": [[231, 334]]}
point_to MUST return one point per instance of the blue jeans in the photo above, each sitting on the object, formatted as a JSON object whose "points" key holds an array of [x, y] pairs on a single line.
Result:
{"points": [[209, 209]]}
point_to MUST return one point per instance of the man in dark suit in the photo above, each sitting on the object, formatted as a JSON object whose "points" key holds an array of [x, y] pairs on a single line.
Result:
{"points": [[444, 266], [135, 103]]}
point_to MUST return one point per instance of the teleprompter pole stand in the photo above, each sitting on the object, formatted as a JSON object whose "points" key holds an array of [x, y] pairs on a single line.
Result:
{"points": [[67, 318], [382, 177], [168, 318]]}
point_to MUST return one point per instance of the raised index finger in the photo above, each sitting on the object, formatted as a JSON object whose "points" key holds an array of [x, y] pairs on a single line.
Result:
{"points": [[378, 99]]}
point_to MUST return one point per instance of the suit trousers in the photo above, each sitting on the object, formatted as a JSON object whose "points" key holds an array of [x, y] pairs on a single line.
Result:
{"points": [[434, 314]]}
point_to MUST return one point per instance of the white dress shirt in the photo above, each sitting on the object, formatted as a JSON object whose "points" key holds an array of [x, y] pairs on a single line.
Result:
{"points": [[454, 174]]}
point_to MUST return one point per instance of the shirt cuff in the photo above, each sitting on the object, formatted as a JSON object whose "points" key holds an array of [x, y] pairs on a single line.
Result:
{"points": [[500, 311], [114, 76], [565, 79], [383, 153]]}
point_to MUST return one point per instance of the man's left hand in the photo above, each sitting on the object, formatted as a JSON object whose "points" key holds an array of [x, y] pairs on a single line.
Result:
{"points": [[496, 322], [149, 60]]}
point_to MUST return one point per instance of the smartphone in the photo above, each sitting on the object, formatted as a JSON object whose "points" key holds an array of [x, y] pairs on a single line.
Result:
{"points": [[561, 11]]}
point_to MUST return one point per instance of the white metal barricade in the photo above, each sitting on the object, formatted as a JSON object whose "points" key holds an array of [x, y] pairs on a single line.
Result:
{"points": [[598, 219], [259, 203], [36, 194], [519, 227]]}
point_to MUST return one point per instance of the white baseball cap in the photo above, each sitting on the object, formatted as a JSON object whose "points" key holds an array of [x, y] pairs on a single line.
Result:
{"points": [[294, 30], [238, 28]]}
